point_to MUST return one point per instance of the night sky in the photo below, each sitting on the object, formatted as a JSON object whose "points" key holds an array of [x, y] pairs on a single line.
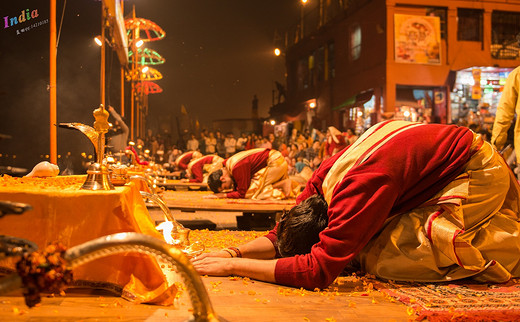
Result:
{"points": [[218, 55]]}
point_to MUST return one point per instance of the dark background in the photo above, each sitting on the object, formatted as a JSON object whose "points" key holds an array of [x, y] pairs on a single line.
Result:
{"points": [[218, 55]]}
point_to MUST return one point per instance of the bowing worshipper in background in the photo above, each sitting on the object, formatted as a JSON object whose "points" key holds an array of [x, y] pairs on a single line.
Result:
{"points": [[199, 169], [182, 161], [253, 174], [335, 142], [132, 154], [407, 201]]}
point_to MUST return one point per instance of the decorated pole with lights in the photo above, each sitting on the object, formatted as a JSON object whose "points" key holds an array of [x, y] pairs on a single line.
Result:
{"points": [[140, 30]]}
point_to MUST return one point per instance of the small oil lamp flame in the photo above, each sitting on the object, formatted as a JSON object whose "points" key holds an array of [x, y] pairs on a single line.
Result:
{"points": [[166, 227], [180, 238]]}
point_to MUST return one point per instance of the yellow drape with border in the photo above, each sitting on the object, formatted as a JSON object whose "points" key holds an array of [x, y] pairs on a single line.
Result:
{"points": [[64, 213]]}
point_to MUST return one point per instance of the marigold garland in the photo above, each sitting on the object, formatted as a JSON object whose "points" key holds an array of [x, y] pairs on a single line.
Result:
{"points": [[44, 272]]}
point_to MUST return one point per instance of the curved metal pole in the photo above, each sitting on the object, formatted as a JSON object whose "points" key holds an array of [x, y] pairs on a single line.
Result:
{"points": [[146, 180], [158, 201], [134, 242]]}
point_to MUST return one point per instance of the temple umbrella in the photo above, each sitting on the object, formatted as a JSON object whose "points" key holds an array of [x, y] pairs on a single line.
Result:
{"points": [[145, 29], [151, 74], [146, 56], [148, 88]]}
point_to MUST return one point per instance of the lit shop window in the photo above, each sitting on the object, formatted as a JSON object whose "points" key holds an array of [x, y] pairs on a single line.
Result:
{"points": [[355, 42]]}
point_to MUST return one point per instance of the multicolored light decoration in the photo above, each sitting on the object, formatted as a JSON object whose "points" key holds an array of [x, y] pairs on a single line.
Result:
{"points": [[146, 30], [148, 88], [151, 74], [142, 30], [146, 56]]}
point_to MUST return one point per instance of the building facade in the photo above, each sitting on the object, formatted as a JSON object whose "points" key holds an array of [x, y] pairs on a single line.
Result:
{"points": [[354, 63]]}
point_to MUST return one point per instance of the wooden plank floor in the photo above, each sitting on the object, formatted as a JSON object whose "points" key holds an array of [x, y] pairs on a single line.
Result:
{"points": [[234, 299]]}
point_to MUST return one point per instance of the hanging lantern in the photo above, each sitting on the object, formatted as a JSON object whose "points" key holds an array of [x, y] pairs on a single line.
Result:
{"points": [[148, 88], [145, 29], [146, 56], [151, 74]]}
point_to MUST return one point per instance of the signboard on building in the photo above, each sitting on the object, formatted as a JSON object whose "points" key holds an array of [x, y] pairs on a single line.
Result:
{"points": [[417, 39]]}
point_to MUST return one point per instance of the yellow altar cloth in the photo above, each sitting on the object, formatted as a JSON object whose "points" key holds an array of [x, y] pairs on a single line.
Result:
{"points": [[63, 212]]}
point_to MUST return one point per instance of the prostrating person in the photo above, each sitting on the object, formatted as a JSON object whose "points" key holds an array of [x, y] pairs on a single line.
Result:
{"points": [[253, 174], [182, 161], [407, 201], [199, 169]]}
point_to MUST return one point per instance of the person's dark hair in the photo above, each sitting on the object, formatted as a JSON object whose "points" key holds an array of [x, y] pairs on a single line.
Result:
{"points": [[299, 229], [214, 182]]}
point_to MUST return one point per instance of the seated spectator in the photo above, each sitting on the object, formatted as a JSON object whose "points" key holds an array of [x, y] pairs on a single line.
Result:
{"points": [[193, 143], [230, 144], [211, 143]]}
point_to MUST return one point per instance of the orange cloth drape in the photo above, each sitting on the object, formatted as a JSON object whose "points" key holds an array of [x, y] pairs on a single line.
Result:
{"points": [[64, 213]]}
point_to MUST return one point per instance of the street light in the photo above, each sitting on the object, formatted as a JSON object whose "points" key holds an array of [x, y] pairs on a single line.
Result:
{"points": [[277, 52], [98, 41], [303, 2]]}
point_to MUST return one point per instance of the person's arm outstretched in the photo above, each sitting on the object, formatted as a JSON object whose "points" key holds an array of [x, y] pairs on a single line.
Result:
{"points": [[256, 261]]}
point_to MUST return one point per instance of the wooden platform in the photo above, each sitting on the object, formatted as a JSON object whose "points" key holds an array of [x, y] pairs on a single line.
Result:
{"points": [[193, 201], [250, 214], [180, 185], [173, 174]]}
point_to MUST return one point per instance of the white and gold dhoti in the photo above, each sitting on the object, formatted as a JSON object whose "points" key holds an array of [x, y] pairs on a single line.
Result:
{"points": [[261, 186], [469, 229]]}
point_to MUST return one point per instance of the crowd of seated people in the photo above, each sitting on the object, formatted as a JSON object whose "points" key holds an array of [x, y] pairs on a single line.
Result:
{"points": [[303, 151]]}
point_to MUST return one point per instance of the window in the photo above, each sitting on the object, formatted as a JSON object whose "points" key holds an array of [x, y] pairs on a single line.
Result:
{"points": [[469, 26], [355, 42], [312, 68], [302, 72], [441, 13], [331, 68], [505, 26], [320, 64]]}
